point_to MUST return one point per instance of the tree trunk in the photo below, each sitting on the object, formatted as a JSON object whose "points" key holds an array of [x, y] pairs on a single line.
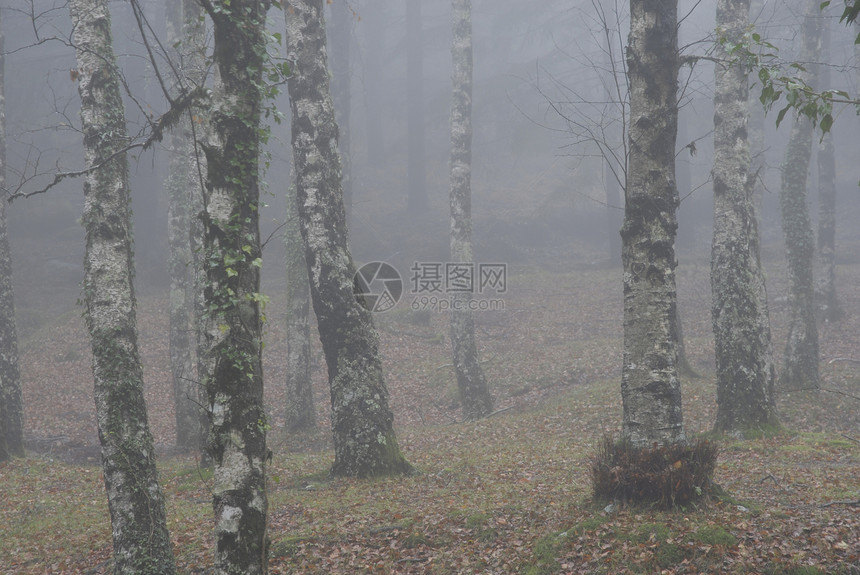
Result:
{"points": [[341, 33], [474, 392], [300, 412], [800, 364], [11, 408], [234, 385], [828, 302], [755, 129], [650, 387], [364, 439], [140, 539], [745, 370], [416, 176], [183, 31]]}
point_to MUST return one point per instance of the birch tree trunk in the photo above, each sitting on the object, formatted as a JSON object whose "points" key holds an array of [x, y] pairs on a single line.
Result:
{"points": [[234, 385], [744, 357], [800, 363], [184, 31], [11, 408], [755, 129], [828, 302], [141, 542], [300, 412], [474, 393], [650, 388], [362, 422]]}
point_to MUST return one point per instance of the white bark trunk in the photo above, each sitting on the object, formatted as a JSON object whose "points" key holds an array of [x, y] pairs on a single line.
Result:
{"points": [[140, 538], [474, 392], [745, 371]]}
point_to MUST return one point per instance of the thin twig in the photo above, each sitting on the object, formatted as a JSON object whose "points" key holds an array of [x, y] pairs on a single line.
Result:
{"points": [[849, 438], [848, 359], [849, 503], [771, 477]]}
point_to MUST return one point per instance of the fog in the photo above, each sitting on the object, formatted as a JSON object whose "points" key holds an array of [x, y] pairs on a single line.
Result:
{"points": [[538, 184], [549, 114]]}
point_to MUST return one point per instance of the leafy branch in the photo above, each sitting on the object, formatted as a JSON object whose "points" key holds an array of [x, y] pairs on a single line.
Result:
{"points": [[785, 82]]}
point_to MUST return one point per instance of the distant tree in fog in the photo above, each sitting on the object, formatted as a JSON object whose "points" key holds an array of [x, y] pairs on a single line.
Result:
{"points": [[800, 363], [141, 541], [185, 31], [742, 337], [11, 408], [300, 413], [374, 20], [825, 290], [650, 388], [364, 439], [474, 392], [415, 164]]}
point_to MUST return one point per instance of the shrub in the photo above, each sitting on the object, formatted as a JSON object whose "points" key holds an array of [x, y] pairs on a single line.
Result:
{"points": [[667, 475]]}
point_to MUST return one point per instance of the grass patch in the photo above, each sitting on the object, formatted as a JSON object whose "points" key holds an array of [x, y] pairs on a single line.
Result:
{"points": [[715, 535]]}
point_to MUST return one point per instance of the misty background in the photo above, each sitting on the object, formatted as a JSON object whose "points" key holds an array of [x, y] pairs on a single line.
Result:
{"points": [[539, 187]]}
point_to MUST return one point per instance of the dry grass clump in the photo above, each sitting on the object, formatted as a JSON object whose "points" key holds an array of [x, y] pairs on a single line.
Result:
{"points": [[668, 475]]}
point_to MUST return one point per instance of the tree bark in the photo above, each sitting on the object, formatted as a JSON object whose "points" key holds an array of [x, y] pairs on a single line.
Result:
{"points": [[650, 387], [300, 413], [234, 385], [800, 363], [364, 439], [474, 392], [828, 302], [141, 541], [11, 406], [755, 130], [341, 32], [415, 166], [742, 341]]}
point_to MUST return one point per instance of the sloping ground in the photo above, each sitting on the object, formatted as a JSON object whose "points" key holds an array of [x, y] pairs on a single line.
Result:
{"points": [[508, 494]]}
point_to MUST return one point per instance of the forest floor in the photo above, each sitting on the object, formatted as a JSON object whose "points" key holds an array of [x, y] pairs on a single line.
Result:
{"points": [[508, 494]]}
